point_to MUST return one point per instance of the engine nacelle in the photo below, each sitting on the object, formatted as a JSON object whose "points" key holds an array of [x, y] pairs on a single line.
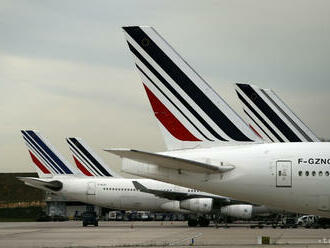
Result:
{"points": [[201, 205], [242, 211], [173, 206]]}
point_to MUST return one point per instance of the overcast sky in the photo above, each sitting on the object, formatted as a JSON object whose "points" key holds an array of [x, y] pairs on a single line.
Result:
{"points": [[65, 68]]}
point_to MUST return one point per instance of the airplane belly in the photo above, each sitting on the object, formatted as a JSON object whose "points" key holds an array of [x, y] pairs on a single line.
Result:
{"points": [[137, 203]]}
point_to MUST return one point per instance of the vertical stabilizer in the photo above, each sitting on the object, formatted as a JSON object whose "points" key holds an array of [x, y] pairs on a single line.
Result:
{"points": [[191, 113], [47, 160], [270, 117], [87, 161]]}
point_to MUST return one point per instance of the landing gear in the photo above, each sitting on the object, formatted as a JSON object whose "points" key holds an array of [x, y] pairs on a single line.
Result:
{"points": [[192, 222], [203, 221]]}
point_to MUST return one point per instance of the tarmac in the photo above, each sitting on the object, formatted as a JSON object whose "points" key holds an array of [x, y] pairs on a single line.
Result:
{"points": [[152, 234]]}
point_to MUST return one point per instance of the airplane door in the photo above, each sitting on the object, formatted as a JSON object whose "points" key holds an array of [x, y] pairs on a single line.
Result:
{"points": [[283, 174], [91, 188], [91, 192]]}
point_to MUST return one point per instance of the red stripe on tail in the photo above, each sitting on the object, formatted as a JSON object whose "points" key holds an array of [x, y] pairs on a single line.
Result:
{"points": [[82, 168], [255, 131], [39, 164], [169, 121]]}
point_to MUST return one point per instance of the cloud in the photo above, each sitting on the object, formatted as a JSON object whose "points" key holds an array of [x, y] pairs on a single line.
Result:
{"points": [[103, 105], [65, 68]]}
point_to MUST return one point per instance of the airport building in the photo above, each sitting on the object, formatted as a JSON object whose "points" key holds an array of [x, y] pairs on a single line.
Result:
{"points": [[14, 193]]}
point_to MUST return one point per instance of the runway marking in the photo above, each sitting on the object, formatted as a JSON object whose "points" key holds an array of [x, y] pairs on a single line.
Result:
{"points": [[186, 239]]}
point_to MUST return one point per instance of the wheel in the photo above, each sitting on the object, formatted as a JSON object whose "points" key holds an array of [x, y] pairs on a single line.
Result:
{"points": [[203, 222], [192, 222]]}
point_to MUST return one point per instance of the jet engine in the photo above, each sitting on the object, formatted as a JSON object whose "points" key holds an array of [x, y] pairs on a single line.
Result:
{"points": [[201, 205], [173, 206], [242, 211]]}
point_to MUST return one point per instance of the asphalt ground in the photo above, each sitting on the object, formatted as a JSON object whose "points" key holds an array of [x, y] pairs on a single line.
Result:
{"points": [[152, 234]]}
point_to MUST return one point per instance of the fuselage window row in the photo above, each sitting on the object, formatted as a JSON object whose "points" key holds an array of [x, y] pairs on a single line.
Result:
{"points": [[313, 173], [120, 189]]}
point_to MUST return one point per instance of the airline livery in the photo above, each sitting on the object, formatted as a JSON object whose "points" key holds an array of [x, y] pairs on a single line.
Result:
{"points": [[96, 184], [212, 149], [270, 117]]}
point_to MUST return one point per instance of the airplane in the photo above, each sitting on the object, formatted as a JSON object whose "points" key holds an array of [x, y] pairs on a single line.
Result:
{"points": [[270, 117], [85, 158], [214, 150], [98, 185]]}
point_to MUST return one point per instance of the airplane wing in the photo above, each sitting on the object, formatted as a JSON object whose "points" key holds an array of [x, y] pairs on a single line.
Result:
{"points": [[180, 196], [39, 183], [169, 162], [161, 193]]}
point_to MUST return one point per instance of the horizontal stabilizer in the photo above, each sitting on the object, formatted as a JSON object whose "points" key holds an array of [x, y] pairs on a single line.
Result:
{"points": [[168, 161], [53, 185]]}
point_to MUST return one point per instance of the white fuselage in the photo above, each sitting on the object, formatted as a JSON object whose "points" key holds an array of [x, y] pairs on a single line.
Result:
{"points": [[290, 176], [120, 193]]}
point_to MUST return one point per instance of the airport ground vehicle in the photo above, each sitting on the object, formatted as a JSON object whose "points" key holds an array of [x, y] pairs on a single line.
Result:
{"points": [[90, 218], [321, 223], [306, 220]]}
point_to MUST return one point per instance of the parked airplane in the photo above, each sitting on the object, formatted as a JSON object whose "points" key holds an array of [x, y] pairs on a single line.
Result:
{"points": [[270, 117], [93, 187], [229, 158], [85, 158]]}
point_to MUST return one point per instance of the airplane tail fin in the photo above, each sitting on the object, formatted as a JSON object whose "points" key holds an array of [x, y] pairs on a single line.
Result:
{"points": [[88, 162], [48, 162], [270, 117], [189, 111]]}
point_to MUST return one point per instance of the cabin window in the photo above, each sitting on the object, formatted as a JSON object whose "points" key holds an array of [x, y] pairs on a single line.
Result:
{"points": [[320, 173], [327, 173], [307, 173], [313, 173], [300, 173]]}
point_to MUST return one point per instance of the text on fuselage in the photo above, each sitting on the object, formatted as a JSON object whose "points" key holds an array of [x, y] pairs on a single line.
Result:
{"points": [[314, 161]]}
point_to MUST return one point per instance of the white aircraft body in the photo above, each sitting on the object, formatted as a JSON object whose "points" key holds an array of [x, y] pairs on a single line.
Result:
{"points": [[290, 176], [97, 185], [211, 148]]}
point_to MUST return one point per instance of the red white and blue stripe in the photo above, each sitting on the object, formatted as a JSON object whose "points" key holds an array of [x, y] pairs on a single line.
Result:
{"points": [[186, 106], [44, 156], [271, 117], [87, 161]]}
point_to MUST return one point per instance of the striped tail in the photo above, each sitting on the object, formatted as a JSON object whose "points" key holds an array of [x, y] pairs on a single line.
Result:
{"points": [[270, 117], [48, 162], [87, 161], [190, 112]]}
